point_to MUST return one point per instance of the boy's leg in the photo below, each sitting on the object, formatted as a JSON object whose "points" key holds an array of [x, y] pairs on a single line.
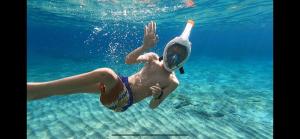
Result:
{"points": [[86, 82]]}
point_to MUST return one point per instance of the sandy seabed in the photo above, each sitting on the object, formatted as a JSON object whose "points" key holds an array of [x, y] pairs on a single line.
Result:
{"points": [[215, 100]]}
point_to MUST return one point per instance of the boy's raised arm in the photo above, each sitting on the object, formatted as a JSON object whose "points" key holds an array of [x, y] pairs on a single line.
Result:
{"points": [[131, 58], [150, 39]]}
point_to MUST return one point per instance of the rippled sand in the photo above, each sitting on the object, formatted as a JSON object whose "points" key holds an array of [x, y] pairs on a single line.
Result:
{"points": [[218, 99]]}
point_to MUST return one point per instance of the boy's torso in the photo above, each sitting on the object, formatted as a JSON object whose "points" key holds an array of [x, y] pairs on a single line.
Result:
{"points": [[148, 76]]}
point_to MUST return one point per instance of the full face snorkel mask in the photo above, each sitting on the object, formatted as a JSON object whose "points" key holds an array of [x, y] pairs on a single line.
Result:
{"points": [[178, 50]]}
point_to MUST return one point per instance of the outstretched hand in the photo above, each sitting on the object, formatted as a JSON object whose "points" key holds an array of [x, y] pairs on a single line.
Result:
{"points": [[150, 37]]}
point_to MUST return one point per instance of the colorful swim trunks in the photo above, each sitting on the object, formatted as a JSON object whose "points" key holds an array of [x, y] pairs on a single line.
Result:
{"points": [[119, 98]]}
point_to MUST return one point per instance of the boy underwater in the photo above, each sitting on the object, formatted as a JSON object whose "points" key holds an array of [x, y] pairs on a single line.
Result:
{"points": [[157, 77]]}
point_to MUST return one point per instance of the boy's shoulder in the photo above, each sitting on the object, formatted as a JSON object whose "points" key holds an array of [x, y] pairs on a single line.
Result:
{"points": [[174, 79]]}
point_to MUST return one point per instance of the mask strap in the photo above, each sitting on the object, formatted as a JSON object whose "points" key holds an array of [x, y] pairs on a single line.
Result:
{"points": [[181, 70], [160, 58]]}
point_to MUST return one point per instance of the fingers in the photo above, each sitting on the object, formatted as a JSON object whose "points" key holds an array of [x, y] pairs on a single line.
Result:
{"points": [[154, 28], [150, 27], [157, 84], [150, 30], [146, 30], [155, 89]]}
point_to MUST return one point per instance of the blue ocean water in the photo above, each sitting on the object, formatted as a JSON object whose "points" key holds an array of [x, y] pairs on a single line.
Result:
{"points": [[226, 91]]}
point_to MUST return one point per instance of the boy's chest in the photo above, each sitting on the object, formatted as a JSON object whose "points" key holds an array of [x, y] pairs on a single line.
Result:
{"points": [[155, 73]]}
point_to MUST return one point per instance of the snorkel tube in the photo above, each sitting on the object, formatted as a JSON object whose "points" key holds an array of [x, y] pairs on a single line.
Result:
{"points": [[187, 30], [183, 41]]}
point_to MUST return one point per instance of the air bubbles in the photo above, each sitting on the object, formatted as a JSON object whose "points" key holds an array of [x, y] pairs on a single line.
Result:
{"points": [[124, 13], [97, 29], [92, 36]]}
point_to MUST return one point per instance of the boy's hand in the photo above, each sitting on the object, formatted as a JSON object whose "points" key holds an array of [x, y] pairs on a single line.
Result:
{"points": [[150, 37], [156, 90]]}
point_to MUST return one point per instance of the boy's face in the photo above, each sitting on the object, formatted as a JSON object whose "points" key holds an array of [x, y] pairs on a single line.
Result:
{"points": [[176, 54]]}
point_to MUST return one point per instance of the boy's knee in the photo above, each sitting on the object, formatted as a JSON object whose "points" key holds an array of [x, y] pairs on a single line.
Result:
{"points": [[103, 70], [105, 73]]}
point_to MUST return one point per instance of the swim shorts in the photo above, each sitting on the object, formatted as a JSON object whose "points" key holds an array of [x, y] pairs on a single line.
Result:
{"points": [[120, 97]]}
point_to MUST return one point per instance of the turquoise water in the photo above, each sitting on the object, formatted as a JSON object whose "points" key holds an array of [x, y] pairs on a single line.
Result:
{"points": [[226, 91]]}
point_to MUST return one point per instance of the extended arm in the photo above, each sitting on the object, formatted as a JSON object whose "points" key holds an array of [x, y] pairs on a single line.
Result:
{"points": [[131, 58], [150, 39]]}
